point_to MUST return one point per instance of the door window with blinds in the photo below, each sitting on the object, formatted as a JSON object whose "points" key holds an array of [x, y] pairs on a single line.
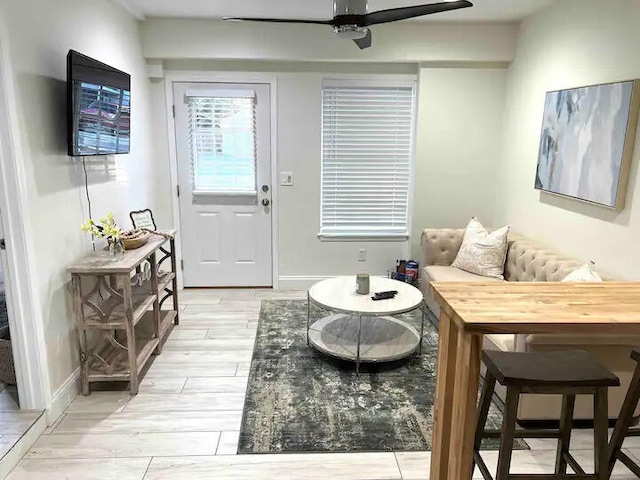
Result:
{"points": [[367, 148], [222, 138]]}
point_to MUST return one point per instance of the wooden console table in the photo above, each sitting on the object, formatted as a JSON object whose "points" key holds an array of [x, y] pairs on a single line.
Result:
{"points": [[119, 299], [470, 310]]}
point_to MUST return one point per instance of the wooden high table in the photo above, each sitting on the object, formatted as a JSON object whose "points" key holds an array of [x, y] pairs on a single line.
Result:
{"points": [[470, 310]]}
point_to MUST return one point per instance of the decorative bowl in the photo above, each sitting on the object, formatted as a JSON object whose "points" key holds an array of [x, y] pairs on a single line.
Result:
{"points": [[134, 239]]}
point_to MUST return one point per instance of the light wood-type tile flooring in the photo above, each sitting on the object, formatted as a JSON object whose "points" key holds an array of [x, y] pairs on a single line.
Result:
{"points": [[14, 423], [184, 423]]}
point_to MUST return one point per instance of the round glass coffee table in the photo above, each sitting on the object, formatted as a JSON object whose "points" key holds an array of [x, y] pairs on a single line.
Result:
{"points": [[360, 329]]}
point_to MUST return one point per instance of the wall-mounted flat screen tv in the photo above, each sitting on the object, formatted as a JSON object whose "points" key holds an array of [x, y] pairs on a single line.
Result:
{"points": [[99, 107]]}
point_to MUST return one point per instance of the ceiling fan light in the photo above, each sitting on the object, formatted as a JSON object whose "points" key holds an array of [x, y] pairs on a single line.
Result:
{"points": [[351, 32]]}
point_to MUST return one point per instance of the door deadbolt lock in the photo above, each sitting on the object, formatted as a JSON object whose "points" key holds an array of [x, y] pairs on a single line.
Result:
{"points": [[265, 188], [265, 202]]}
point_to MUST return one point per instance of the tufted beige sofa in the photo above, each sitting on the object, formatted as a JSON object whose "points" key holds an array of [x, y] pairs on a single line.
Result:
{"points": [[528, 261]]}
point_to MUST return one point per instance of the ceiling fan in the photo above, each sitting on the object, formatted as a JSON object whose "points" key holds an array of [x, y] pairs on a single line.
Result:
{"points": [[351, 20]]}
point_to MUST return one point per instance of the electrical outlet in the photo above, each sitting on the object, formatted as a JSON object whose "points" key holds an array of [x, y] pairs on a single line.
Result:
{"points": [[362, 255], [286, 179]]}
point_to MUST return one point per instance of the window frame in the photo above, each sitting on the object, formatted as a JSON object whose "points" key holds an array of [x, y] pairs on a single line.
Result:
{"points": [[382, 81]]}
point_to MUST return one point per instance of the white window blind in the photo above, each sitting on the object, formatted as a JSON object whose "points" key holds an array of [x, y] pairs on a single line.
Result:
{"points": [[222, 136], [367, 139]]}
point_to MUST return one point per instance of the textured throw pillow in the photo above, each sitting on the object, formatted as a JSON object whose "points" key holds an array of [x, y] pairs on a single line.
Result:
{"points": [[585, 273], [482, 253]]}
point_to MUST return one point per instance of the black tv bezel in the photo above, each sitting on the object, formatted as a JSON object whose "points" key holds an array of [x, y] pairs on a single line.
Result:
{"points": [[119, 79]]}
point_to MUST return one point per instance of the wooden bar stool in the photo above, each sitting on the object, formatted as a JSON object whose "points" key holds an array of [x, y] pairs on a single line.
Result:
{"points": [[623, 428], [565, 373]]}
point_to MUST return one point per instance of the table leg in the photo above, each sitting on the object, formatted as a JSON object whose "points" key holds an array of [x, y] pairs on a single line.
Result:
{"points": [[424, 314], [174, 282], [308, 316], [82, 334], [131, 336], [358, 347], [467, 366], [153, 260], [443, 409]]}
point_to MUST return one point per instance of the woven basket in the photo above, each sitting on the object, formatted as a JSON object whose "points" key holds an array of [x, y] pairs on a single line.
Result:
{"points": [[7, 370], [134, 243]]}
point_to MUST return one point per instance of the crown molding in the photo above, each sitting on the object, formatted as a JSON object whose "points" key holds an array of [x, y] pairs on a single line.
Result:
{"points": [[133, 10]]}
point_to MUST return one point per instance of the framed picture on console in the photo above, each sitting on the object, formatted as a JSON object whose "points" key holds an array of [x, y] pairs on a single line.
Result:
{"points": [[587, 142], [143, 219]]}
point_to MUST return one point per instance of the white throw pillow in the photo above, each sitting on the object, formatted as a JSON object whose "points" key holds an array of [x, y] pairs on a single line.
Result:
{"points": [[585, 273], [482, 253]]}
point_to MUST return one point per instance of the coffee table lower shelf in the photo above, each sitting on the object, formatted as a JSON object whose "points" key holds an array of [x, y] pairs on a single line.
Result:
{"points": [[382, 339]]}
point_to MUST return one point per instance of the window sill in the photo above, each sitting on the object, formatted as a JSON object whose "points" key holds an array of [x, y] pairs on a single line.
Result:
{"points": [[328, 237], [212, 193]]}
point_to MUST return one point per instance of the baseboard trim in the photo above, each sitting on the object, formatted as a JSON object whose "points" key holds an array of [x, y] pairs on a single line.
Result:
{"points": [[299, 282], [63, 397]]}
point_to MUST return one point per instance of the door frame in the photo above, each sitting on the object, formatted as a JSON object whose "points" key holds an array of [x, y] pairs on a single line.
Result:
{"points": [[25, 318], [223, 77]]}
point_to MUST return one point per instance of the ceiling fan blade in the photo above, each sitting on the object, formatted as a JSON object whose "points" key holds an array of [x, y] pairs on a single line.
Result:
{"points": [[395, 14], [364, 42], [279, 20]]}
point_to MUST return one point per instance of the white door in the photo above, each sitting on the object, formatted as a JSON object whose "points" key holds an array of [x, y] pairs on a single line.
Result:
{"points": [[223, 139]]}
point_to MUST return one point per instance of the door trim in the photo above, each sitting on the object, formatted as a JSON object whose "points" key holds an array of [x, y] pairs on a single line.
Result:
{"points": [[23, 302], [223, 77]]}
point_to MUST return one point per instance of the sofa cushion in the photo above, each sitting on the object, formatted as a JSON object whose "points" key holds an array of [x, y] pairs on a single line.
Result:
{"points": [[440, 245], [630, 341], [482, 253], [502, 342], [528, 261], [585, 273], [440, 273]]}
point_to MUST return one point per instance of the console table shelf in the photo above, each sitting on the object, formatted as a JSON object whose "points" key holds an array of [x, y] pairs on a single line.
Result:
{"points": [[118, 307], [116, 317], [116, 361]]}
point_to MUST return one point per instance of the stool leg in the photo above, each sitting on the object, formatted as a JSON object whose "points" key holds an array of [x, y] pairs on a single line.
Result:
{"points": [[624, 419], [564, 439], [508, 432], [600, 425], [483, 408]]}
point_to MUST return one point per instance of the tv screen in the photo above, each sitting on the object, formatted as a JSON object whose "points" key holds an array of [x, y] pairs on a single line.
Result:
{"points": [[99, 107]]}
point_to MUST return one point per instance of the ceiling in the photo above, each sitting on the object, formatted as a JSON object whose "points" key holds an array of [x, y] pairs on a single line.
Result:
{"points": [[483, 10]]}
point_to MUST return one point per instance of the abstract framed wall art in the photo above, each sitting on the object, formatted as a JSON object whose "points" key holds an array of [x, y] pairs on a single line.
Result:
{"points": [[587, 142]]}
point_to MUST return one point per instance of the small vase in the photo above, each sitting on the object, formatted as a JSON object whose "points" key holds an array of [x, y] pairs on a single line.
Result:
{"points": [[116, 249]]}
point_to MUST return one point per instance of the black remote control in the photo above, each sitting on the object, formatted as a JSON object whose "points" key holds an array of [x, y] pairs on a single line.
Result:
{"points": [[384, 294]]}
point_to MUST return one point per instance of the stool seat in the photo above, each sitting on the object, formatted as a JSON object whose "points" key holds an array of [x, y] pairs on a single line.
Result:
{"points": [[574, 368]]}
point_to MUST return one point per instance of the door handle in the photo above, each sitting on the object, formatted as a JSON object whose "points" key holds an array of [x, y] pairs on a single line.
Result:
{"points": [[265, 202]]}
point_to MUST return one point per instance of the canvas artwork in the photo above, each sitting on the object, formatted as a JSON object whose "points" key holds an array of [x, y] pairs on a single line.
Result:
{"points": [[587, 142]]}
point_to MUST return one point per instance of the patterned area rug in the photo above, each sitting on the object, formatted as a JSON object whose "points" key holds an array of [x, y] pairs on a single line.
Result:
{"points": [[299, 400], [4, 316]]}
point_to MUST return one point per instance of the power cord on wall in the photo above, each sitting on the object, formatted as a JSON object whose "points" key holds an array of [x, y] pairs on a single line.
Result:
{"points": [[86, 189]]}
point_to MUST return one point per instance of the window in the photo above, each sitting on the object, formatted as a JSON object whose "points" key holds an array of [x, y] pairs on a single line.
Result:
{"points": [[367, 148], [222, 136]]}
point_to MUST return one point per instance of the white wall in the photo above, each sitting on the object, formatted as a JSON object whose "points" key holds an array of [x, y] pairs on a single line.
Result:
{"points": [[399, 42], [303, 258], [302, 254], [573, 43], [458, 148], [39, 34], [458, 139]]}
